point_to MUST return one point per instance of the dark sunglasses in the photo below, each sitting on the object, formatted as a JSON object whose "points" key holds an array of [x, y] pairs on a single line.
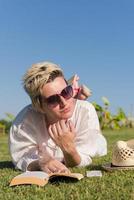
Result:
{"points": [[55, 99]]}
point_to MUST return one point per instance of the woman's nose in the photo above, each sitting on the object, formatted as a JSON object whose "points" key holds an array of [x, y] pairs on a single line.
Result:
{"points": [[63, 101]]}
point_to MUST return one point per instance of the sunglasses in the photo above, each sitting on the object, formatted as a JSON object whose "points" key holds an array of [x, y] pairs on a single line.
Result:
{"points": [[55, 99]]}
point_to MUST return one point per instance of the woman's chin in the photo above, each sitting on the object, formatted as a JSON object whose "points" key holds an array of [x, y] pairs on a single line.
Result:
{"points": [[66, 115]]}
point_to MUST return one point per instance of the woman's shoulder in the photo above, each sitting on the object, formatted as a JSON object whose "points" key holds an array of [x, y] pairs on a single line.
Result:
{"points": [[26, 114], [84, 104], [83, 108]]}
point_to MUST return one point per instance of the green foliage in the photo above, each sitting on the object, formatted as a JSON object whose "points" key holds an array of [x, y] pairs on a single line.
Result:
{"points": [[9, 117], [7, 125], [107, 120], [2, 128], [7, 121]]}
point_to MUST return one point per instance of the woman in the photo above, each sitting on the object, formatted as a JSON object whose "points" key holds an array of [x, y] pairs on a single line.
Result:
{"points": [[57, 131]]}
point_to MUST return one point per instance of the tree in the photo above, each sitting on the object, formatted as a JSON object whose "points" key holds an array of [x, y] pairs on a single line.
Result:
{"points": [[107, 120], [7, 122]]}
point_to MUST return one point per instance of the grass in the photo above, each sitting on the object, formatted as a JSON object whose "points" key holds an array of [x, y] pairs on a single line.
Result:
{"points": [[118, 185]]}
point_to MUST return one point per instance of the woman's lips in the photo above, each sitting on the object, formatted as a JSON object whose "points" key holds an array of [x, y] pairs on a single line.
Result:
{"points": [[65, 110]]}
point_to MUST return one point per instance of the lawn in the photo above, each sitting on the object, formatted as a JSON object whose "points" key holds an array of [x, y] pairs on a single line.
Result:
{"points": [[118, 185]]}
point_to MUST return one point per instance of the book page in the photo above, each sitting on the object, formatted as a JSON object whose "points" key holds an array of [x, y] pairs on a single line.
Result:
{"points": [[77, 176], [30, 177], [39, 174], [40, 178]]}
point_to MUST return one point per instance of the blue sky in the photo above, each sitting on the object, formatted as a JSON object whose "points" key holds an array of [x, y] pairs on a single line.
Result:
{"points": [[94, 39]]}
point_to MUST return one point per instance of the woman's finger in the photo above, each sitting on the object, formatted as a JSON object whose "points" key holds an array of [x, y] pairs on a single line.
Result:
{"points": [[59, 130], [54, 130], [71, 126], [50, 132], [64, 126]]}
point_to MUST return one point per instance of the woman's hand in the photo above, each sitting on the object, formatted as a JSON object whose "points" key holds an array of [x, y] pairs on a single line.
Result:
{"points": [[49, 164], [63, 134], [53, 166]]}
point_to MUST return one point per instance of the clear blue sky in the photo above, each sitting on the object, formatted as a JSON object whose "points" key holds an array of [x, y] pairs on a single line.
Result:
{"points": [[92, 38]]}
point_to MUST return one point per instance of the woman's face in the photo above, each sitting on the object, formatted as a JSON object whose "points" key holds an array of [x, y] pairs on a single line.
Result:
{"points": [[64, 108]]}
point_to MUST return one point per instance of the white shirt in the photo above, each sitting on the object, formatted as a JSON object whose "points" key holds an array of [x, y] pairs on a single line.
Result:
{"points": [[28, 133]]}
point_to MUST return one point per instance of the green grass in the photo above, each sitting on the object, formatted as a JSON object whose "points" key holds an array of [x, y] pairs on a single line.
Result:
{"points": [[118, 185]]}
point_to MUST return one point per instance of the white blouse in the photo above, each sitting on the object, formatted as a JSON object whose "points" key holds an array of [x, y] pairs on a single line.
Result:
{"points": [[28, 133]]}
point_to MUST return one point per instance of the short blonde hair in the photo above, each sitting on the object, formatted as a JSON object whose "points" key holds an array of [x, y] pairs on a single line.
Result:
{"points": [[38, 75]]}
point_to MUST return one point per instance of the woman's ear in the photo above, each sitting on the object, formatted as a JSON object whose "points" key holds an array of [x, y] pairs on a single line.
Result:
{"points": [[38, 104]]}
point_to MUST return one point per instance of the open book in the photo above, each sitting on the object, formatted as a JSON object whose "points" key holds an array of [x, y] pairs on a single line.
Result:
{"points": [[40, 178]]}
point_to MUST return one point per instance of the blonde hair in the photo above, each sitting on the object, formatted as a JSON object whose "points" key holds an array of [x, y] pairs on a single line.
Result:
{"points": [[38, 75]]}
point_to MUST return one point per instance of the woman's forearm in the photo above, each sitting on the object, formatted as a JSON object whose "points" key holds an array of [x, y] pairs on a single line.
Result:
{"points": [[71, 156]]}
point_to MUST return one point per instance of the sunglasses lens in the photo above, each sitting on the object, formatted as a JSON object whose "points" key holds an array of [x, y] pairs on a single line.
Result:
{"points": [[67, 93], [53, 100]]}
